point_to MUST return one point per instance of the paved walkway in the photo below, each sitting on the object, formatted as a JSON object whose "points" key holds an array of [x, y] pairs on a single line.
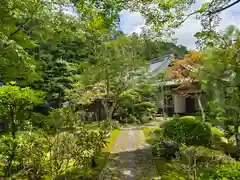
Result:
{"points": [[130, 158]]}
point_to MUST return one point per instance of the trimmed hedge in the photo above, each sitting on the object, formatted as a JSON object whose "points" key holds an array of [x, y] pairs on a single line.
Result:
{"points": [[188, 118], [188, 131], [204, 155]]}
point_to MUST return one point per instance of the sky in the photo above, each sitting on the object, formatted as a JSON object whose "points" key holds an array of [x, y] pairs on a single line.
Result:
{"points": [[132, 22]]}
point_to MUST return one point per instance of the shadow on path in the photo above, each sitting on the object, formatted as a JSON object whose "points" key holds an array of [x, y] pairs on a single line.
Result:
{"points": [[131, 165], [131, 159]]}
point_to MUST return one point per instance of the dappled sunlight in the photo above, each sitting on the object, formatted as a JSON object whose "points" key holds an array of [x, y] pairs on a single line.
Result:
{"points": [[130, 158]]}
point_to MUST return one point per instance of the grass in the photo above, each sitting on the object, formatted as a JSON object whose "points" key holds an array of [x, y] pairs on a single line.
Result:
{"points": [[102, 158], [93, 126], [167, 169], [147, 131], [111, 140]]}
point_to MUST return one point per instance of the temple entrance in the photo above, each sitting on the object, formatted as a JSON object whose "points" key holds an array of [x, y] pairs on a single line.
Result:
{"points": [[190, 105]]}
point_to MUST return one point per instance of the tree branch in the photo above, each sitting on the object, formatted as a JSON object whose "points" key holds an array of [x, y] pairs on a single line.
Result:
{"points": [[224, 8], [211, 13], [195, 12], [25, 23]]}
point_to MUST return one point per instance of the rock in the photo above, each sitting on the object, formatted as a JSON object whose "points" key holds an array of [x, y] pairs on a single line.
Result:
{"points": [[107, 135], [170, 149]]}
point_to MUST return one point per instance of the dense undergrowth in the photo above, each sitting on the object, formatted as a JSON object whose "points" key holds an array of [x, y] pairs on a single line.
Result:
{"points": [[198, 154]]}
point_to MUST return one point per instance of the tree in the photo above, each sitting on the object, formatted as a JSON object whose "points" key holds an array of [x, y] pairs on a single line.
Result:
{"points": [[174, 13], [221, 72], [16, 103], [114, 73], [154, 48], [161, 16], [185, 71], [182, 69]]}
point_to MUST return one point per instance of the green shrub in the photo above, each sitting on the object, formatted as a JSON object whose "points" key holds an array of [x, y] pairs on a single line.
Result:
{"points": [[109, 125], [227, 148], [127, 101], [64, 118], [217, 132], [214, 113], [219, 142], [222, 172], [188, 118], [158, 132], [187, 131], [195, 158], [145, 106], [202, 155], [157, 149], [132, 119], [131, 109], [145, 111]]}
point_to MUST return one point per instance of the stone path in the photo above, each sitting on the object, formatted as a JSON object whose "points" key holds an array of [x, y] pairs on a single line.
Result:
{"points": [[130, 158]]}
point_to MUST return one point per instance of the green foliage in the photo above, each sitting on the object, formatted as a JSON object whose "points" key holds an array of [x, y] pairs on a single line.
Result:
{"points": [[130, 97], [149, 135], [217, 132], [154, 136], [64, 118], [220, 70], [199, 154], [109, 125], [187, 131], [145, 106], [132, 105], [215, 114], [117, 70], [223, 144], [158, 132], [152, 48], [110, 140], [190, 118], [169, 170], [145, 111], [19, 98], [16, 103], [195, 158], [39, 155], [221, 172]]}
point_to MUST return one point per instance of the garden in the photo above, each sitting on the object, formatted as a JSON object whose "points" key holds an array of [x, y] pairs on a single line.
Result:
{"points": [[70, 80], [188, 148]]}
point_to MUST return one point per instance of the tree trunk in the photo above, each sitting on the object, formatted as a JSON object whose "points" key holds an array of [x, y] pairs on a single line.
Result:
{"points": [[201, 106], [107, 82], [14, 146], [109, 110], [105, 106], [237, 137]]}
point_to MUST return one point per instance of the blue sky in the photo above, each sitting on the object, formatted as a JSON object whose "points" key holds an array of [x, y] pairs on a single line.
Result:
{"points": [[132, 22]]}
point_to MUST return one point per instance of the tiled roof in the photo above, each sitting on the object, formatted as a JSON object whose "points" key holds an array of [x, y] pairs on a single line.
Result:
{"points": [[159, 64]]}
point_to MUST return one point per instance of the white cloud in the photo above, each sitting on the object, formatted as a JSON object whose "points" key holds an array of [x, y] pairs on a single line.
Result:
{"points": [[132, 22]]}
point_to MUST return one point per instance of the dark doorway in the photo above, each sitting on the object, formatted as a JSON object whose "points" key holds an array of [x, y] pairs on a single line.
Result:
{"points": [[190, 105]]}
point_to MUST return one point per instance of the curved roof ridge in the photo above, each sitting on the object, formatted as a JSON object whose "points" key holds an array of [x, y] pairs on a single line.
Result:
{"points": [[159, 64]]}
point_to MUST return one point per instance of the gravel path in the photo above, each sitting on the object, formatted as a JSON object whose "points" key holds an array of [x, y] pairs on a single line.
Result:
{"points": [[130, 158]]}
